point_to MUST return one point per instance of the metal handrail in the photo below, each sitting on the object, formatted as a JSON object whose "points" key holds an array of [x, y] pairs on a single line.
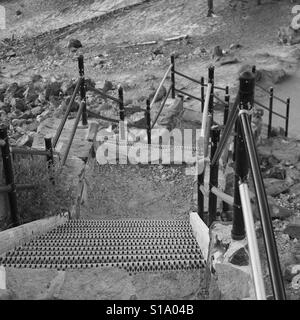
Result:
{"points": [[204, 130], [188, 94], [252, 243], [72, 135], [160, 86], [263, 206], [161, 107], [187, 77], [102, 93], [266, 90], [65, 117], [266, 108], [233, 115]]}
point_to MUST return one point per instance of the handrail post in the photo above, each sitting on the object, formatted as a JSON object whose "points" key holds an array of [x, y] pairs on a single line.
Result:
{"points": [[246, 93], [288, 101], [82, 89], [202, 94], [210, 8], [213, 178], [148, 121], [121, 103], [9, 176], [211, 75], [50, 159], [270, 111], [173, 76], [226, 107]]}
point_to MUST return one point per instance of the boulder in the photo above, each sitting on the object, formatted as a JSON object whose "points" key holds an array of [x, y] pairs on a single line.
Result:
{"points": [[275, 186], [53, 89], [25, 141], [171, 113], [18, 104], [74, 44], [293, 230], [161, 94]]}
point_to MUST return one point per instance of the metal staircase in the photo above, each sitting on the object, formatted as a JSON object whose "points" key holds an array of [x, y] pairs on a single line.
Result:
{"points": [[133, 245]]}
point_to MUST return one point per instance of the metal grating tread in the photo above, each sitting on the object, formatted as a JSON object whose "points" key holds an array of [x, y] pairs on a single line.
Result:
{"points": [[133, 245]]}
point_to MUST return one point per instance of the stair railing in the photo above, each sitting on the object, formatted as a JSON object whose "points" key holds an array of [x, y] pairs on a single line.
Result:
{"points": [[246, 158]]}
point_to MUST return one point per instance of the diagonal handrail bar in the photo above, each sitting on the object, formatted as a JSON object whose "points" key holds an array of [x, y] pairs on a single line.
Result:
{"points": [[233, 115], [263, 206], [252, 242], [72, 135], [204, 131], [161, 107], [160, 86], [103, 94], [65, 117]]}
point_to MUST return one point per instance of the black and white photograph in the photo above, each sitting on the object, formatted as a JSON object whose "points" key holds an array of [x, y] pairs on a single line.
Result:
{"points": [[150, 153]]}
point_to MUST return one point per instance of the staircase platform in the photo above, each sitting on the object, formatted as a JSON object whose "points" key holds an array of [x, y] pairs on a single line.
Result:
{"points": [[131, 245]]}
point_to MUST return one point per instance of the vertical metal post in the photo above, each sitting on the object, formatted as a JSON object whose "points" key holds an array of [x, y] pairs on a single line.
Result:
{"points": [[148, 121], [121, 103], [211, 75], [254, 69], [82, 89], [9, 176], [210, 4], [270, 111], [226, 107], [213, 178], [287, 116], [50, 159], [246, 92], [173, 92], [202, 94]]}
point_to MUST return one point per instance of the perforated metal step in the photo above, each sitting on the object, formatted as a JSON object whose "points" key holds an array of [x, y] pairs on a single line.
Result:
{"points": [[134, 245]]}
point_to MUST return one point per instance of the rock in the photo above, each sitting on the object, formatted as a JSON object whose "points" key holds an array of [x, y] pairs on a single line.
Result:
{"points": [[74, 44], [127, 102], [234, 46], [108, 85], [18, 104], [26, 115], [68, 87], [161, 94], [291, 271], [30, 94], [296, 282], [25, 141], [53, 89], [276, 172], [75, 105], [293, 230], [99, 61], [240, 257], [230, 59], [7, 295], [273, 73], [234, 283], [14, 91], [171, 113], [36, 111], [5, 107], [275, 186]]}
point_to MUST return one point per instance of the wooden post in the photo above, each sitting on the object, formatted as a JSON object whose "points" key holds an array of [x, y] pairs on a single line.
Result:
{"points": [[50, 159], [148, 121], [202, 94]]}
